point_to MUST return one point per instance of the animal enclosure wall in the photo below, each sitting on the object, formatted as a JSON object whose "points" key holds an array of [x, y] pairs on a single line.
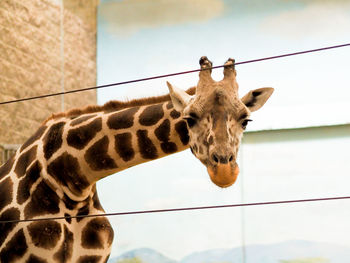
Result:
{"points": [[44, 48]]}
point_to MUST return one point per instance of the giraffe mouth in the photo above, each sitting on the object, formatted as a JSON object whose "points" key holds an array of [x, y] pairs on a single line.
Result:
{"points": [[223, 175]]}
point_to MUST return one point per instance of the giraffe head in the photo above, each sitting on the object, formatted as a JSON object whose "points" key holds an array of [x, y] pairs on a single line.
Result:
{"points": [[216, 119]]}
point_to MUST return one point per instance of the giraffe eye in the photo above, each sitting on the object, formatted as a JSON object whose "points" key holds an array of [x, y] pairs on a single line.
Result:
{"points": [[191, 119], [245, 123]]}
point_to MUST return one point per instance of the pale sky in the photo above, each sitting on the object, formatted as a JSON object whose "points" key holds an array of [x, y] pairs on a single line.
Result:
{"points": [[139, 39]]}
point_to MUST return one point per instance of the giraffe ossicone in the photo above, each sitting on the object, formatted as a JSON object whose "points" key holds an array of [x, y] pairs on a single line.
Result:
{"points": [[54, 172]]}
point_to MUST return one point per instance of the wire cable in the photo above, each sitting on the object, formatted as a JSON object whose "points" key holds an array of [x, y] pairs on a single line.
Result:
{"points": [[185, 208], [170, 75], [179, 209]]}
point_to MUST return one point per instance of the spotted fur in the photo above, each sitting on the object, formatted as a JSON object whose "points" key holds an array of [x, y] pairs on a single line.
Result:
{"points": [[54, 174]]}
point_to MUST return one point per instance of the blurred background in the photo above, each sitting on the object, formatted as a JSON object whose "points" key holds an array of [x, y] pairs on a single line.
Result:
{"points": [[295, 148]]}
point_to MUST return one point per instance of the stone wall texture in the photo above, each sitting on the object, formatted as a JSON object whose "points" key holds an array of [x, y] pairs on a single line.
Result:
{"points": [[32, 40]]}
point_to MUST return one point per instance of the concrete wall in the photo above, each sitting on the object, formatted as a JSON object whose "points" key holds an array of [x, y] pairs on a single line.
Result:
{"points": [[31, 63]]}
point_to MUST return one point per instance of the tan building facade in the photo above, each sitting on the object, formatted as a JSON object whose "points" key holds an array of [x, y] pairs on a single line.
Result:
{"points": [[46, 46]]}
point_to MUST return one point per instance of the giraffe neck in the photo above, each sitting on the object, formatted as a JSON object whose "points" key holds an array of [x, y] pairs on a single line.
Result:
{"points": [[55, 171], [80, 151]]}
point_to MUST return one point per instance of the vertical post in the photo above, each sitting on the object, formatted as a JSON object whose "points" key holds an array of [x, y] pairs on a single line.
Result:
{"points": [[62, 51]]}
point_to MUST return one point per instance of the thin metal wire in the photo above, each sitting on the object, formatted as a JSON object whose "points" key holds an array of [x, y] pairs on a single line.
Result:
{"points": [[185, 208], [180, 209], [170, 75]]}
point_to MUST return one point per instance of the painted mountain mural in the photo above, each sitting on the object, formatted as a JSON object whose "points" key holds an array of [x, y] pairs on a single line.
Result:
{"points": [[297, 251], [142, 255]]}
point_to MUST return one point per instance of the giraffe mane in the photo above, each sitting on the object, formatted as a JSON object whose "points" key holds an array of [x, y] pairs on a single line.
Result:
{"points": [[115, 105]]}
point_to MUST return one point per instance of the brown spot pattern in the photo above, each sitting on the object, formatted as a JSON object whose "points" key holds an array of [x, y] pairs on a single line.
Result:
{"points": [[64, 254], [65, 169], [81, 119], [9, 214], [68, 218], [151, 115], [6, 190], [45, 234], [89, 259], [122, 119], [15, 248], [97, 157], [6, 168], [36, 136], [96, 232], [53, 139], [163, 133], [146, 146], [181, 129], [168, 147], [82, 212], [175, 114], [123, 146], [69, 203], [25, 160], [34, 259], [26, 183], [80, 137], [43, 201]]}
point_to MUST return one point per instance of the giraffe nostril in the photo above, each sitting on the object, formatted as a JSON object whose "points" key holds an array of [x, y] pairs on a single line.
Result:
{"points": [[215, 158], [230, 159]]}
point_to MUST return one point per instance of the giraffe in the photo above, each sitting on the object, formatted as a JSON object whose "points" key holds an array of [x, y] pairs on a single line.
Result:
{"points": [[54, 173]]}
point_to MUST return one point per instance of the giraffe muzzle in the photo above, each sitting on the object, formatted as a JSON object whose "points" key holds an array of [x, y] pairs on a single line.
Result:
{"points": [[223, 175]]}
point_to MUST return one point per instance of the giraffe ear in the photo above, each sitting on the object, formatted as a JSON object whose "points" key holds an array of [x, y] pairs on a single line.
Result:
{"points": [[255, 99], [179, 97]]}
